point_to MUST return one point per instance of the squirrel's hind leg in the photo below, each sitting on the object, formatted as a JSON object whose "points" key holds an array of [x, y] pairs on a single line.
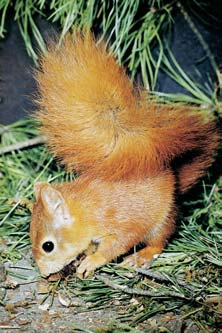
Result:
{"points": [[156, 240], [144, 257]]}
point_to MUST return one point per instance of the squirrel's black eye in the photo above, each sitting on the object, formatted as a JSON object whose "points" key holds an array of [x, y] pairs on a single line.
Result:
{"points": [[48, 246]]}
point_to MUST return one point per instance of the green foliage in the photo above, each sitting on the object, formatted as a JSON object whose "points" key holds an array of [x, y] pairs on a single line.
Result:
{"points": [[133, 29], [19, 171]]}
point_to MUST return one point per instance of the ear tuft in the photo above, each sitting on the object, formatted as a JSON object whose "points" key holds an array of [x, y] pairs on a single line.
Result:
{"points": [[38, 187]]}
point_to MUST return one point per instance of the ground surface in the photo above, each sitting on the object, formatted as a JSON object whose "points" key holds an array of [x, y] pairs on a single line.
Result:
{"points": [[26, 309]]}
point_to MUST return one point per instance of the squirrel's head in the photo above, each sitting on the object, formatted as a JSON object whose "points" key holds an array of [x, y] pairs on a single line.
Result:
{"points": [[56, 230]]}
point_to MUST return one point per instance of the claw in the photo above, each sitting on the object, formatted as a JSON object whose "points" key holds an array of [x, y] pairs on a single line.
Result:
{"points": [[89, 264]]}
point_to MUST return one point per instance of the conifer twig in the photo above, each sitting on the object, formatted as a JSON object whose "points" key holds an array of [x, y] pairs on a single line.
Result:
{"points": [[198, 35], [162, 278], [136, 291], [24, 144]]}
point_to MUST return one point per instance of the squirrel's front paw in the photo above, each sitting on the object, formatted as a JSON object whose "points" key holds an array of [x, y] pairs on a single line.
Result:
{"points": [[89, 264]]}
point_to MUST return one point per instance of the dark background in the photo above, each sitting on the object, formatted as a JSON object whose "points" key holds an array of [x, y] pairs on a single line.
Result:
{"points": [[16, 68]]}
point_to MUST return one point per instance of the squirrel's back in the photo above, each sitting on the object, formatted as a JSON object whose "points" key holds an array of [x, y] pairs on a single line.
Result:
{"points": [[97, 122]]}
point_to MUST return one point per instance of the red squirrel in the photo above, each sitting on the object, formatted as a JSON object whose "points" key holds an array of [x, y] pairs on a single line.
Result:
{"points": [[133, 156]]}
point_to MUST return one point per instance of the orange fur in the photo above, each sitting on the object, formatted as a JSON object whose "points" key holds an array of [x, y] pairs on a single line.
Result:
{"points": [[132, 154]]}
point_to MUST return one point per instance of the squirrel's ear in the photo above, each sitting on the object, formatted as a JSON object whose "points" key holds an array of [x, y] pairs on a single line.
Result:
{"points": [[55, 204], [51, 198]]}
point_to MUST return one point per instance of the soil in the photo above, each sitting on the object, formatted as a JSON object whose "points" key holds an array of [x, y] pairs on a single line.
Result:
{"points": [[25, 310]]}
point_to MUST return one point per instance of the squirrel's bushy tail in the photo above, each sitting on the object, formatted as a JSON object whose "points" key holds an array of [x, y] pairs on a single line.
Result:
{"points": [[95, 121]]}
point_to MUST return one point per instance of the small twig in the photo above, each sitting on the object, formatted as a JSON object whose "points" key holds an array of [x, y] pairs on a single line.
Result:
{"points": [[153, 275], [162, 278], [23, 202], [197, 33], [213, 299], [3, 129], [24, 144], [10, 327], [9, 284], [136, 291], [190, 313], [19, 304]]}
